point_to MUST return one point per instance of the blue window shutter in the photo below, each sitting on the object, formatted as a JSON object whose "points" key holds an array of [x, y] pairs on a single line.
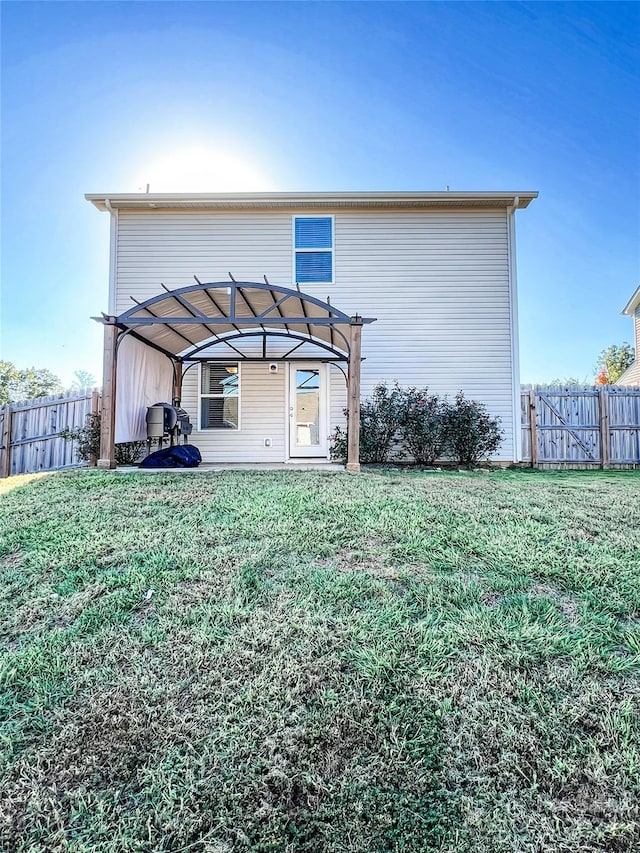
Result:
{"points": [[313, 266], [312, 235], [313, 232]]}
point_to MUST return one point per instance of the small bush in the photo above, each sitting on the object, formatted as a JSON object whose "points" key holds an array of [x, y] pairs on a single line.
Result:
{"points": [[88, 443], [87, 438], [380, 419], [429, 428], [340, 446], [423, 426], [471, 434], [130, 452]]}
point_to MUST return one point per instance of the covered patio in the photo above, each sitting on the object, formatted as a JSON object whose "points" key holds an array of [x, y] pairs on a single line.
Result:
{"points": [[211, 321]]}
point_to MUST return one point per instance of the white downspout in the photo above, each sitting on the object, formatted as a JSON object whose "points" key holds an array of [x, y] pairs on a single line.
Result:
{"points": [[113, 252], [513, 313]]}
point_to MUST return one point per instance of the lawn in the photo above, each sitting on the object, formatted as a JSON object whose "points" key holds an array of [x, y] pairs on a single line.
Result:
{"points": [[281, 662]]}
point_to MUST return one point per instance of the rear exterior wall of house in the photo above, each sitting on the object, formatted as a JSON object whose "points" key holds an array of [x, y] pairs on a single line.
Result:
{"points": [[437, 282]]}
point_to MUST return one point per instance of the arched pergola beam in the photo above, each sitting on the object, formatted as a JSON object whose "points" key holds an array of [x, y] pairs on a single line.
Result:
{"points": [[231, 288], [189, 355], [190, 315]]}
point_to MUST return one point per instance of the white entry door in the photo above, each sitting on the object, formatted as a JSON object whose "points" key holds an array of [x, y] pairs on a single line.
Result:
{"points": [[307, 410]]}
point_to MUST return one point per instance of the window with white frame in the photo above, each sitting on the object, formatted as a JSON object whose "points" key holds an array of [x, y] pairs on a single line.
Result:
{"points": [[219, 395], [313, 249]]}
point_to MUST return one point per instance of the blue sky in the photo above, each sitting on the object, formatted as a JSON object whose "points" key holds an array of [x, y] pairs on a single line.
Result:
{"points": [[105, 96]]}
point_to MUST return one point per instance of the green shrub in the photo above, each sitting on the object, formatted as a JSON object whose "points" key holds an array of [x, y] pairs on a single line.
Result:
{"points": [[130, 452], [380, 419], [88, 443], [428, 426], [471, 434], [87, 438], [423, 425]]}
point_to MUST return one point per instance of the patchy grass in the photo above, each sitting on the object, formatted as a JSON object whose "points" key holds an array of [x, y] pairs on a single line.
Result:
{"points": [[7, 484], [281, 662]]}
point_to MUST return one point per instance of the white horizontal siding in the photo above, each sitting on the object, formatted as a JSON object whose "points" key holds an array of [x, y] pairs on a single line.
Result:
{"points": [[262, 415], [337, 398], [173, 246], [437, 282], [631, 376]]}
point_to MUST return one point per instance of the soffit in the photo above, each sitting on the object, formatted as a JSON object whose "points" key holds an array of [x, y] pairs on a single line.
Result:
{"points": [[311, 201]]}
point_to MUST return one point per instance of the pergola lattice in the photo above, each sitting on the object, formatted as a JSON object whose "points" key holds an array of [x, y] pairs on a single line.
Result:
{"points": [[184, 322]]}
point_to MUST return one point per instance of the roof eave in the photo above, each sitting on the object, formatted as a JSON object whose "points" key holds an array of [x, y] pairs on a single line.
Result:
{"points": [[432, 200], [634, 303]]}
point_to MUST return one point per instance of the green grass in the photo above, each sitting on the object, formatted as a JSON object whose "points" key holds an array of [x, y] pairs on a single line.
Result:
{"points": [[9, 483], [282, 662]]}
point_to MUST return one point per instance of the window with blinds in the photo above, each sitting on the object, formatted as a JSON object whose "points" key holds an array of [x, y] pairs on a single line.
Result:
{"points": [[313, 245], [219, 396]]}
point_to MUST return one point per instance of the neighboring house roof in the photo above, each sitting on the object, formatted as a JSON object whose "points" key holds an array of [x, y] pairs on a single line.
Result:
{"points": [[632, 304], [410, 200], [631, 376]]}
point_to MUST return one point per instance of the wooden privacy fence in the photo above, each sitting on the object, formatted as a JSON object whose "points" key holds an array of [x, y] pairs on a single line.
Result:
{"points": [[562, 426], [30, 437], [580, 426]]}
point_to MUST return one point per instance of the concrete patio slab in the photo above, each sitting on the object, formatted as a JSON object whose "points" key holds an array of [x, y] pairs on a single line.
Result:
{"points": [[335, 467]]}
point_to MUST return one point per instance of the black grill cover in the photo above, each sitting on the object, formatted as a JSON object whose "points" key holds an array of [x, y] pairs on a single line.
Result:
{"points": [[180, 456]]}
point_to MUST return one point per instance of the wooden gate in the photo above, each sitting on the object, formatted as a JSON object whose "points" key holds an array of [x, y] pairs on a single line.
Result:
{"points": [[30, 433], [581, 426]]}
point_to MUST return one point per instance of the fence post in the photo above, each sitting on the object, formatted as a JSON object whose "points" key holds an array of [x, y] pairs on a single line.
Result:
{"points": [[95, 410], [5, 442], [532, 427], [605, 436]]}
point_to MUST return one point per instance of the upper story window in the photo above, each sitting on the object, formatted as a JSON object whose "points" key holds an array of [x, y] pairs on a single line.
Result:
{"points": [[219, 396], [313, 245]]}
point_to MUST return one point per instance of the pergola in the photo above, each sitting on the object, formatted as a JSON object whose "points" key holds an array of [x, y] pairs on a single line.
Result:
{"points": [[232, 315]]}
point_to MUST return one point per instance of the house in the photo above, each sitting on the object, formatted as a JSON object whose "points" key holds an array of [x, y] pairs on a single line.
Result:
{"points": [[631, 376], [269, 314]]}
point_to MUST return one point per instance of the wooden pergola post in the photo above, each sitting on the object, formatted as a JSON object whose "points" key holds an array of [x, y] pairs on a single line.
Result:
{"points": [[177, 383], [353, 399], [108, 411], [95, 411]]}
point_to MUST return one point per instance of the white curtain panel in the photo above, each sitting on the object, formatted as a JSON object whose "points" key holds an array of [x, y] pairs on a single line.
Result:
{"points": [[145, 377]]}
